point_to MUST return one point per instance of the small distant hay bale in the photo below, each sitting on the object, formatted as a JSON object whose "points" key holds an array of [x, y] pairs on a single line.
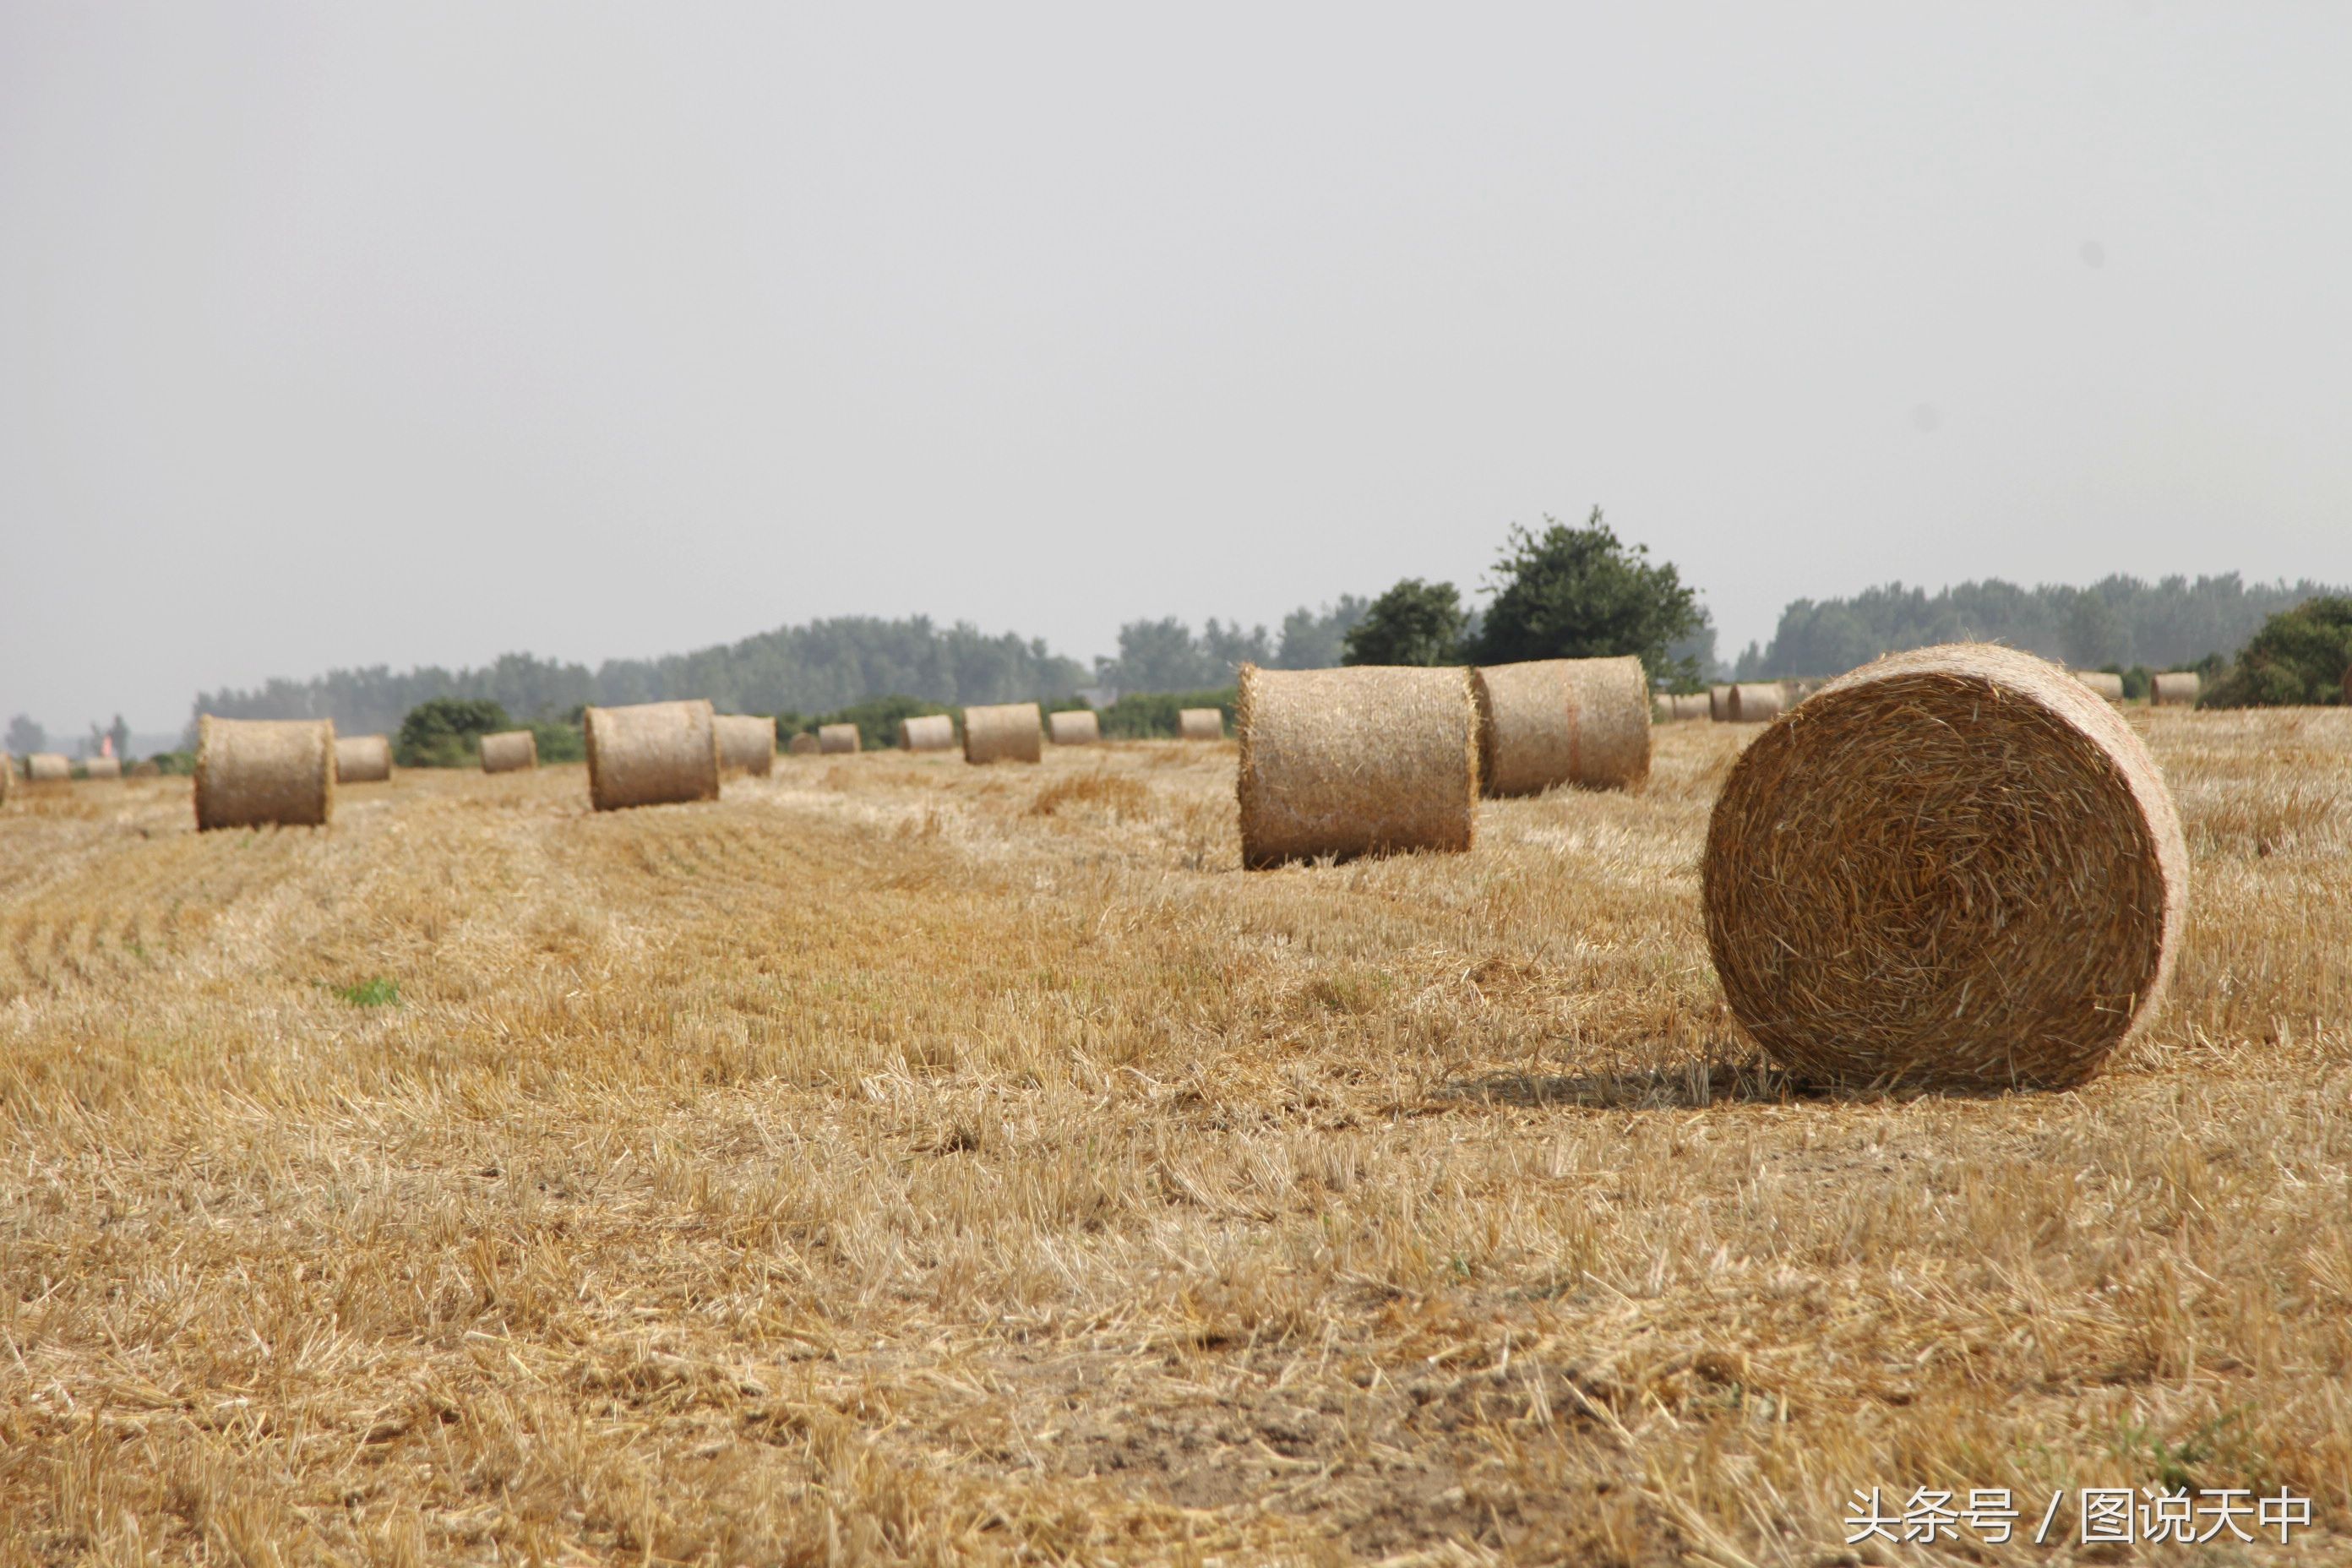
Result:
{"points": [[927, 732], [804, 745], [1759, 702], [2173, 689], [1718, 704], [2110, 687], [7, 777], [1075, 727], [510, 751], [1004, 732], [834, 739], [1958, 866], [1362, 760], [101, 768], [1690, 705], [47, 767], [746, 743], [150, 769], [362, 759], [251, 773], [1562, 721], [652, 753], [1200, 724]]}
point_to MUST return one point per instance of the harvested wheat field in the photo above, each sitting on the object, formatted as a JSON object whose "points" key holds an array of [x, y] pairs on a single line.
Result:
{"points": [[897, 1161]]}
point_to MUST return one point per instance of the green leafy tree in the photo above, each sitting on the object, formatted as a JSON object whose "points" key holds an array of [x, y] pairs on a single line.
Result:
{"points": [[1582, 593], [1412, 623], [446, 731], [25, 737], [2299, 657]]}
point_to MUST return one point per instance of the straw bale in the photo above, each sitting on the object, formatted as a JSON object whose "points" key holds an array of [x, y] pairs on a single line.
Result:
{"points": [[47, 767], [834, 739], [510, 751], [1004, 733], [1075, 727], [1958, 866], [1200, 724], [1718, 704], [1560, 721], [1366, 760], [1690, 705], [362, 759], [2174, 688], [252, 772], [146, 770], [746, 743], [2110, 687], [927, 732], [652, 753], [7, 777], [804, 745], [1756, 702], [101, 768]]}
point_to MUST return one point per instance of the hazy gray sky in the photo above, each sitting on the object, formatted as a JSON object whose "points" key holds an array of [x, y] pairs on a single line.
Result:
{"points": [[403, 333]]}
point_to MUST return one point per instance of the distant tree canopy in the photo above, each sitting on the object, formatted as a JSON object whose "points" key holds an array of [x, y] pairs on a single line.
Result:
{"points": [[25, 737], [1582, 593], [1412, 623], [1167, 656], [2300, 656]]}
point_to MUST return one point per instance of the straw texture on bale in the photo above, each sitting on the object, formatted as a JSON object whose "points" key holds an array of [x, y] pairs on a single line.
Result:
{"points": [[834, 739], [362, 759], [746, 743], [1200, 724], [1690, 705], [1958, 866], [47, 767], [103, 768], [7, 776], [1075, 727], [804, 745], [652, 753], [1002, 733], [510, 751], [1718, 704], [254, 772], [1560, 722], [1756, 702], [2173, 689], [927, 732], [1362, 760]]}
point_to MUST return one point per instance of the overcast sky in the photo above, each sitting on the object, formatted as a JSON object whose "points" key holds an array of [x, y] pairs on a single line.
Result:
{"points": [[406, 333]]}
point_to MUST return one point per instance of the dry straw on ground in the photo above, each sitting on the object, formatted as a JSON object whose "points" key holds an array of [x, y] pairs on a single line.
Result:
{"points": [[2110, 687], [101, 767], [47, 767], [927, 732], [652, 753], [1074, 727], [1200, 724], [746, 743], [1957, 866], [1004, 733], [362, 759], [803, 744], [1554, 721], [839, 739], [1365, 760], [2174, 688], [510, 751], [1759, 701], [253, 773]]}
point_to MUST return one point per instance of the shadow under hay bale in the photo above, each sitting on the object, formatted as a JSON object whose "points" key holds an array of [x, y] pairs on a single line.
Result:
{"points": [[1562, 721], [1200, 724], [510, 751], [746, 743], [652, 753], [1955, 867], [927, 732], [1004, 732], [254, 773], [1074, 727], [362, 759], [1361, 761], [2173, 689]]}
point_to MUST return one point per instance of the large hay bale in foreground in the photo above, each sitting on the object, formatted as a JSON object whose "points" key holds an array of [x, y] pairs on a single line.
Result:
{"points": [[927, 732], [2110, 687], [838, 740], [1957, 866], [652, 753], [1561, 721], [101, 767], [1758, 701], [1200, 724], [746, 743], [1361, 761], [1075, 727], [1002, 733], [362, 759], [254, 772], [804, 745], [510, 751], [47, 767], [2173, 689]]}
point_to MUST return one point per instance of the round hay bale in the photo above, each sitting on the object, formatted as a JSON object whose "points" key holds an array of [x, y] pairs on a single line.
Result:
{"points": [[746, 743], [1200, 724], [146, 770], [834, 740], [254, 772], [47, 767], [1002, 733], [652, 753], [802, 745], [101, 768], [1957, 866], [362, 759], [927, 732], [7, 777], [1075, 727], [1690, 705], [1718, 704], [1756, 702], [1561, 721], [1361, 761], [2173, 689], [2110, 687], [510, 751]]}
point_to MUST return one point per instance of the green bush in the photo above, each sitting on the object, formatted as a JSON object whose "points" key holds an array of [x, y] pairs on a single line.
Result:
{"points": [[179, 762], [560, 741], [446, 731], [2298, 658], [1152, 715]]}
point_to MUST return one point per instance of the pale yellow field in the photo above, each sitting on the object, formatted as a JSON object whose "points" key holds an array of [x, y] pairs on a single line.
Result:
{"points": [[904, 1161]]}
